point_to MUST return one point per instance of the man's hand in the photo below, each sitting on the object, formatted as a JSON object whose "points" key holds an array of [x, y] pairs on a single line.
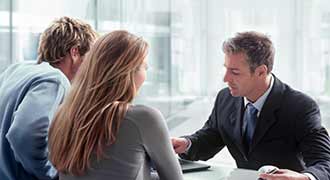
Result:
{"points": [[284, 174], [179, 144]]}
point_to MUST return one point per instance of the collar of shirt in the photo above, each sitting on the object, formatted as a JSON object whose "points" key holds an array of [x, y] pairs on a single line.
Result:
{"points": [[261, 100]]}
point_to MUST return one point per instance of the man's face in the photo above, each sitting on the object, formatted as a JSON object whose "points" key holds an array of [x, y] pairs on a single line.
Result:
{"points": [[76, 64], [241, 81]]}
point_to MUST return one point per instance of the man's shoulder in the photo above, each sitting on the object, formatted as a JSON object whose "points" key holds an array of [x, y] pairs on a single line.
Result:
{"points": [[41, 73], [225, 95], [26, 75], [225, 100], [296, 97], [46, 72], [23, 69], [224, 92]]}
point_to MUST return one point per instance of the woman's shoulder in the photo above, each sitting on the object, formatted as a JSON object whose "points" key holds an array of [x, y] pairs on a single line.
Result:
{"points": [[142, 115], [144, 111]]}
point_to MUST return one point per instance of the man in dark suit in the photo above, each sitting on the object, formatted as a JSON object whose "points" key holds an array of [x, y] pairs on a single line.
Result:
{"points": [[260, 119]]}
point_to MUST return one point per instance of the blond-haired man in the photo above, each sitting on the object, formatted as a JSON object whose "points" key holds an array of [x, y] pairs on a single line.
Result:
{"points": [[30, 94]]}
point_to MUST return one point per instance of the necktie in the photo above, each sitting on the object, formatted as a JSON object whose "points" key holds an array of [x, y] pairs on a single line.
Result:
{"points": [[250, 119]]}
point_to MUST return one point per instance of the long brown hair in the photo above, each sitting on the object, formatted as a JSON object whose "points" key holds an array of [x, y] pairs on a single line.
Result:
{"points": [[90, 116]]}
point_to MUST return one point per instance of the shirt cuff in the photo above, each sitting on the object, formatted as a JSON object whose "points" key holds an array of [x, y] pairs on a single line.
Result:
{"points": [[310, 176], [189, 145]]}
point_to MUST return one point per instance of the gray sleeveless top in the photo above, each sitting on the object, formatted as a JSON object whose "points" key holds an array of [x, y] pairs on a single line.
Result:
{"points": [[143, 137]]}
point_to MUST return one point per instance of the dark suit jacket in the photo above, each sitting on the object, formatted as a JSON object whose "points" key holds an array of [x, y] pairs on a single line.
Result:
{"points": [[288, 133]]}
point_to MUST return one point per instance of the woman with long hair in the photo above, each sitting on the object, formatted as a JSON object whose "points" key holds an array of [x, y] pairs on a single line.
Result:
{"points": [[98, 133]]}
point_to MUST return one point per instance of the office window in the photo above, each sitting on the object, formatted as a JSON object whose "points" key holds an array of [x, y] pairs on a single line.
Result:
{"points": [[185, 38], [173, 30], [151, 20], [109, 15], [314, 53], [30, 18], [174, 56], [5, 34]]}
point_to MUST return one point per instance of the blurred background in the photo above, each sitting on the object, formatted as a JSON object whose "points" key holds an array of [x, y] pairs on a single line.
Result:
{"points": [[185, 36]]}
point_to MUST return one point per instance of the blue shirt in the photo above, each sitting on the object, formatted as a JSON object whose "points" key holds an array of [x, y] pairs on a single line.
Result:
{"points": [[261, 100], [29, 97]]}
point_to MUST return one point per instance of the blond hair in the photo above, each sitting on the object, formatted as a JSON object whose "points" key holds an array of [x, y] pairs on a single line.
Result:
{"points": [[62, 35], [91, 115]]}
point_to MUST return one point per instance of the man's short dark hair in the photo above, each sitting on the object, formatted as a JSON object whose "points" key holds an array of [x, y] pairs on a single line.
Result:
{"points": [[257, 47]]}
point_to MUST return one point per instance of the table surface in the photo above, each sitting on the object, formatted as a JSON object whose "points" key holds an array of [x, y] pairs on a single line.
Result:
{"points": [[221, 172]]}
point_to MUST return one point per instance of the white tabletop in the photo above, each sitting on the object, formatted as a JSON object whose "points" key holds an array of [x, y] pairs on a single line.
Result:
{"points": [[220, 172]]}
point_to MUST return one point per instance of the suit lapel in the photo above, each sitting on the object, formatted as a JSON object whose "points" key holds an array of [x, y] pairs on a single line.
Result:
{"points": [[267, 115], [235, 119]]}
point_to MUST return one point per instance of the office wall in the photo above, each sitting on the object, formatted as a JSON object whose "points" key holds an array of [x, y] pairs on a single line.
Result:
{"points": [[185, 37], [172, 28], [5, 41]]}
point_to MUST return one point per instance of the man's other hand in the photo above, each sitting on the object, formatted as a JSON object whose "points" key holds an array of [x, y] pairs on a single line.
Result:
{"points": [[180, 145], [284, 174]]}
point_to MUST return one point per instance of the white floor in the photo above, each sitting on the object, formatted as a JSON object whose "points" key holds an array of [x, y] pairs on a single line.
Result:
{"points": [[191, 119]]}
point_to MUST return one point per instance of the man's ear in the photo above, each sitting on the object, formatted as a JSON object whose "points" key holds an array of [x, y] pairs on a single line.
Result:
{"points": [[74, 53], [261, 70]]}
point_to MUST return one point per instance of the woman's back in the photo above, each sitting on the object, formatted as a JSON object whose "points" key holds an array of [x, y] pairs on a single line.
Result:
{"points": [[142, 136]]}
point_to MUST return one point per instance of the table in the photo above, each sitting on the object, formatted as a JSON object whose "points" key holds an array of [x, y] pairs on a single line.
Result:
{"points": [[221, 172]]}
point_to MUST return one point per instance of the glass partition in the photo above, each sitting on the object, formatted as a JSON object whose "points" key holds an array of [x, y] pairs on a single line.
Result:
{"points": [[185, 37], [5, 34]]}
